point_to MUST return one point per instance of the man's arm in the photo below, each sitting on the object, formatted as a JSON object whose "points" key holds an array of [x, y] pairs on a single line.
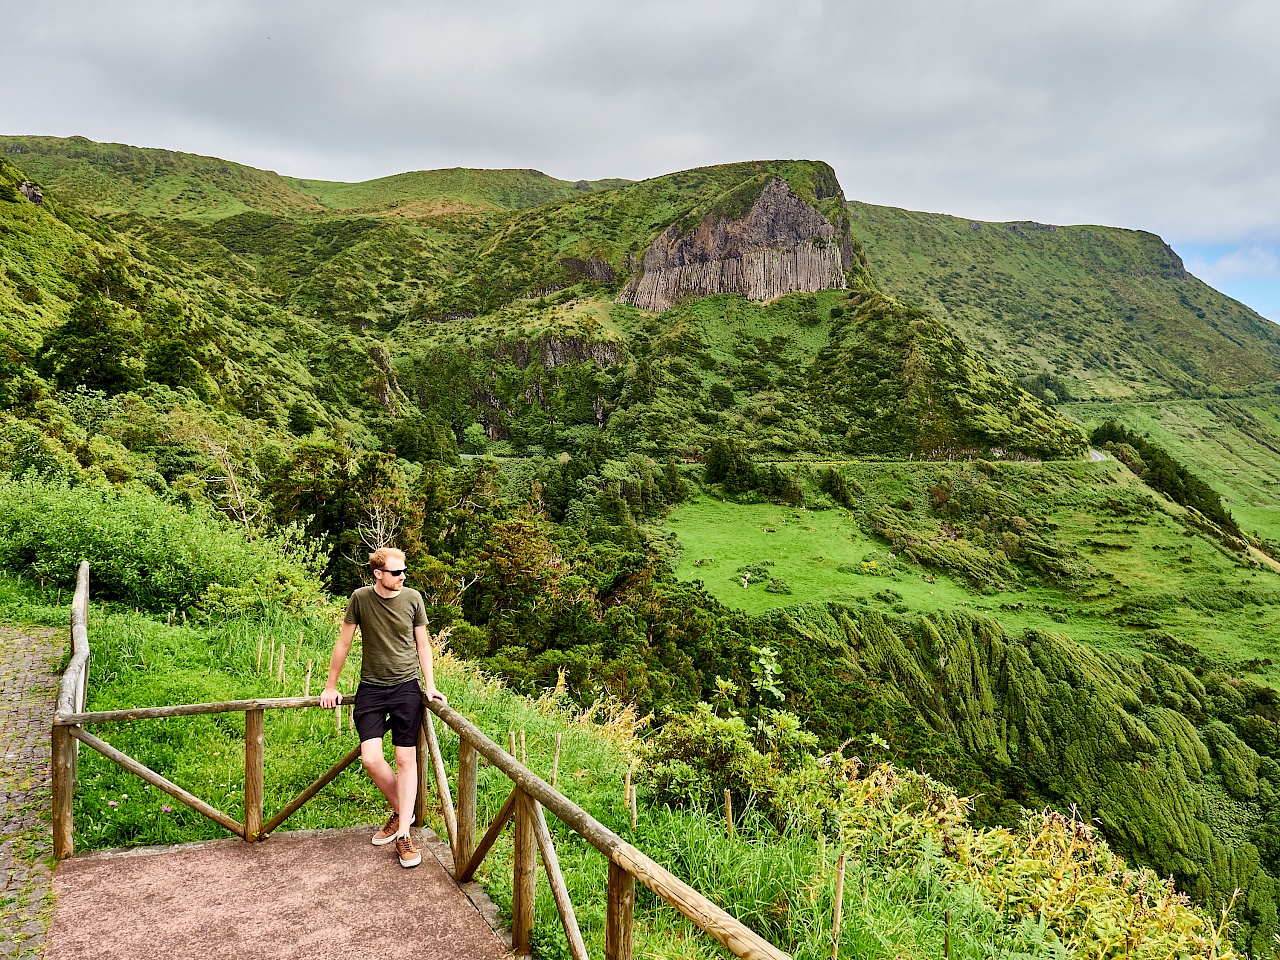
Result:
{"points": [[330, 696], [425, 657]]}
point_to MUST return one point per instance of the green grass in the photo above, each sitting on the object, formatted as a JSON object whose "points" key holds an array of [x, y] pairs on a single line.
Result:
{"points": [[1232, 444], [444, 191], [806, 548], [1151, 571], [113, 178]]}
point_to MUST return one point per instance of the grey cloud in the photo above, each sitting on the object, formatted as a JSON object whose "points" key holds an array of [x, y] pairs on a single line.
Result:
{"points": [[1161, 114]]}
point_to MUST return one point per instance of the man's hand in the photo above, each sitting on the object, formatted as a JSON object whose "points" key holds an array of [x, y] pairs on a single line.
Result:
{"points": [[434, 694], [330, 698]]}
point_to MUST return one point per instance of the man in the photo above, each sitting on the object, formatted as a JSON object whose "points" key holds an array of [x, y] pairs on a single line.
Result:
{"points": [[395, 645]]}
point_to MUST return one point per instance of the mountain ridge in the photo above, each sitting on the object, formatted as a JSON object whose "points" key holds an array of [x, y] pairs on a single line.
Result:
{"points": [[1141, 327], [204, 187]]}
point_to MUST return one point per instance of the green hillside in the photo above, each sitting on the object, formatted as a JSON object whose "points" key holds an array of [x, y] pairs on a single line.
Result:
{"points": [[1092, 313], [882, 489], [1107, 324], [1233, 443], [82, 307], [109, 178], [443, 191], [472, 288], [114, 178]]}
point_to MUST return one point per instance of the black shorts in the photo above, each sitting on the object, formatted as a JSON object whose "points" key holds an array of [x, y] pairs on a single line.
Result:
{"points": [[397, 708]]}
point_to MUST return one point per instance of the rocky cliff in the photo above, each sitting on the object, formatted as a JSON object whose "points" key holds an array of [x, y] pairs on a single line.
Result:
{"points": [[551, 352], [782, 245]]}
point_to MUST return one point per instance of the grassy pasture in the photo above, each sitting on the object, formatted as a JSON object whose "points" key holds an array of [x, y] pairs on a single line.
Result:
{"points": [[1147, 572], [808, 549], [1234, 445]]}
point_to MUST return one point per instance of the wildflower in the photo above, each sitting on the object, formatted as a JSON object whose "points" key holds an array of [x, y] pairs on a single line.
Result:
{"points": [[112, 803], [167, 809]]}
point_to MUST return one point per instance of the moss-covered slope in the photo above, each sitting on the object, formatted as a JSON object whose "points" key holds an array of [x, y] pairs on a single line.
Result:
{"points": [[1179, 769]]}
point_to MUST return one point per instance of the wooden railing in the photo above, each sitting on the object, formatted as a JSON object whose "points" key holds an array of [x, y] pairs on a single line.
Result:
{"points": [[70, 719], [524, 807], [529, 795]]}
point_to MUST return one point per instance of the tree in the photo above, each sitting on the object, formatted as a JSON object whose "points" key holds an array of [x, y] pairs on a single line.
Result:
{"points": [[97, 348], [728, 463]]}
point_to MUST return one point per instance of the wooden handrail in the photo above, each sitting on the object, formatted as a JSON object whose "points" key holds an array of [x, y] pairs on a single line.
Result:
{"points": [[72, 689], [187, 710], [73, 686], [734, 935]]}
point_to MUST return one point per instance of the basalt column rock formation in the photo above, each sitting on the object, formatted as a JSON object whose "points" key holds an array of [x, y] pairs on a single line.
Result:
{"points": [[783, 245]]}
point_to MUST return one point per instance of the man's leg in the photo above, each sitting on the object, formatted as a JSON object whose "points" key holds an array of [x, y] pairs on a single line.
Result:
{"points": [[406, 776], [380, 772]]}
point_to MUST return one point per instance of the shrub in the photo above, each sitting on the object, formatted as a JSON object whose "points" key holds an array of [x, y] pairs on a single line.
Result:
{"points": [[695, 758], [147, 552]]}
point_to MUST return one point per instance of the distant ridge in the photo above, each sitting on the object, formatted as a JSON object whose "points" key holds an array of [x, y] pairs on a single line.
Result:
{"points": [[115, 178], [1104, 313]]}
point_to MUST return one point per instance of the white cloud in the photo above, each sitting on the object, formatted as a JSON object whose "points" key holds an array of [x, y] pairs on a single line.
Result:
{"points": [[1252, 262]]}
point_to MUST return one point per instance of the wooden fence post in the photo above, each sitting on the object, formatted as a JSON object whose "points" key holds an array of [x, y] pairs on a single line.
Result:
{"points": [[524, 875], [64, 792], [620, 914], [254, 749], [839, 910], [468, 779]]}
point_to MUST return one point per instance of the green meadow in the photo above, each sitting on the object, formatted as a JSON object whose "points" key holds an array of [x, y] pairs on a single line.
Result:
{"points": [[1232, 443], [1144, 570]]}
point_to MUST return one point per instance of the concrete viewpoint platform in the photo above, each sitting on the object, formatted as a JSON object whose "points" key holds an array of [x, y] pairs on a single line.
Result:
{"points": [[319, 895]]}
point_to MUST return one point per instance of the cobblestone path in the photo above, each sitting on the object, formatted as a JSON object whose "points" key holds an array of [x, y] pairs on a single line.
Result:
{"points": [[28, 678]]}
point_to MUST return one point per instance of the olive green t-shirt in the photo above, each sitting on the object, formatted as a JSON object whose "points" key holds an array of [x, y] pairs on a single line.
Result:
{"points": [[389, 654]]}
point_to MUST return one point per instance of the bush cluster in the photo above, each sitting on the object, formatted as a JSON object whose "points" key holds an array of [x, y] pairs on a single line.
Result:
{"points": [[145, 552]]}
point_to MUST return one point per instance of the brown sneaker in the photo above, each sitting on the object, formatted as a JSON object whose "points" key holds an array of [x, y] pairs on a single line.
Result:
{"points": [[388, 831], [408, 852]]}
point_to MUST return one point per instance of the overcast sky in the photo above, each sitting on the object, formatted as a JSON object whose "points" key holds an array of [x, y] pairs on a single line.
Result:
{"points": [[1162, 115]]}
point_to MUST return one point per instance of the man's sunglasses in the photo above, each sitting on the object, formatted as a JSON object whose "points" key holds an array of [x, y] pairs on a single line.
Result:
{"points": [[396, 573]]}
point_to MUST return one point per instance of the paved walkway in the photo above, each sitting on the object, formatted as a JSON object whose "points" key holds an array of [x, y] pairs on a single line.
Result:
{"points": [[28, 660], [310, 895]]}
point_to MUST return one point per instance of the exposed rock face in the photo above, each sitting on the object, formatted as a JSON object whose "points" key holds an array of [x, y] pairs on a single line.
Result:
{"points": [[1167, 263], [591, 269], [551, 352], [382, 384], [31, 192], [783, 245]]}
